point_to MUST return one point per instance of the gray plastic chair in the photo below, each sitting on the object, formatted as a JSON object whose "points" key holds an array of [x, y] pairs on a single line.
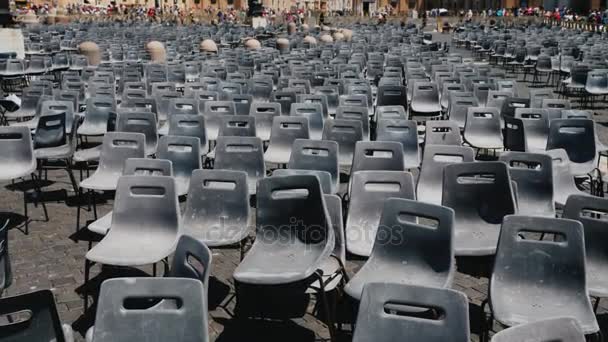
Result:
{"points": [[114, 322], [264, 113], [184, 154], [285, 98], [145, 225], [285, 130], [391, 95], [116, 148], [29, 101], [346, 133], [217, 209], [213, 112], [563, 329], [577, 137], [369, 191], [555, 107], [537, 96], [425, 100], [315, 99], [242, 103], [533, 174], [241, 154], [134, 167], [496, 98], [390, 113], [405, 132], [318, 155], [314, 113], [178, 106], [442, 132], [387, 307], [563, 181], [511, 104], [408, 250], [535, 122], [297, 254], [447, 90], [481, 194], [434, 161], [190, 126], [97, 115], [378, 155], [355, 113], [16, 153], [522, 267], [483, 129], [458, 109], [591, 211], [140, 122]]}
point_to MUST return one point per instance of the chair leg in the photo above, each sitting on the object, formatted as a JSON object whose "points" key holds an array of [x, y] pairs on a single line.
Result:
{"points": [[328, 315], [85, 290], [596, 304], [38, 191], [68, 167]]}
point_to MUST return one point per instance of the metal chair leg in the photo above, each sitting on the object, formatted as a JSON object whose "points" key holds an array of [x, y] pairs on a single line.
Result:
{"points": [[328, 316]]}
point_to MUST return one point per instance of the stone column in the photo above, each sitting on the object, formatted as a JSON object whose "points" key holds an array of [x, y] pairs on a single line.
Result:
{"points": [[403, 6]]}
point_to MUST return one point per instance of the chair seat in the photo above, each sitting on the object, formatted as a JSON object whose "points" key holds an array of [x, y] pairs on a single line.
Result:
{"points": [[331, 275], [101, 225], [484, 141], [475, 239], [10, 172], [102, 181], [276, 155], [225, 231], [529, 305], [123, 249], [426, 107], [20, 113], [31, 124], [59, 152], [88, 154], [92, 129]]}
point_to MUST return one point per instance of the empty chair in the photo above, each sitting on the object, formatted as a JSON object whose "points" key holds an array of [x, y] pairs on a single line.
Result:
{"points": [[59, 107], [41, 323], [116, 323], [140, 122], [535, 123], [242, 103], [450, 321], [138, 167], [591, 211], [97, 115], [511, 104], [346, 133], [577, 137], [314, 113], [237, 126], [184, 154], [563, 329], [315, 98], [29, 101], [264, 113], [538, 95], [425, 100], [533, 174], [355, 113], [217, 209], [145, 225], [378, 155], [213, 112], [241, 154], [483, 129], [435, 159], [285, 130], [390, 112], [405, 132], [442, 132], [369, 190], [496, 98], [481, 92], [448, 88], [421, 255], [481, 195], [284, 98], [522, 264], [298, 250], [555, 107], [391, 95], [459, 107], [190, 126], [321, 155], [563, 180]]}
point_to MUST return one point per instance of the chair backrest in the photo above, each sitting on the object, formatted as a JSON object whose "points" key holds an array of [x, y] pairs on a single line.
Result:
{"points": [[497, 97], [555, 107], [315, 155], [369, 191], [403, 131], [392, 95], [378, 155], [189, 126], [510, 105], [478, 191], [396, 323], [182, 106], [346, 133], [525, 263], [390, 112], [240, 154], [576, 136], [514, 138], [147, 167], [285, 98], [286, 129], [140, 122], [538, 95], [459, 106], [563, 329], [119, 323], [117, 147], [442, 132], [192, 255], [355, 113], [314, 113], [51, 131], [183, 152], [43, 323]]}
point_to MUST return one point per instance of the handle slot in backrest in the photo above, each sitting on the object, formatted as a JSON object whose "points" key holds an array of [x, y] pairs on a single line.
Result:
{"points": [[525, 164], [572, 130], [549, 237], [313, 101], [58, 107], [184, 106], [240, 148], [220, 109], [398, 129], [441, 129], [448, 158], [483, 115], [517, 104], [377, 153], [18, 320], [147, 191], [318, 152], [124, 143], [406, 217], [148, 171], [556, 105], [594, 214], [136, 303], [216, 184], [143, 122], [187, 123], [238, 123], [392, 93], [102, 104], [476, 178], [531, 116], [414, 311], [291, 125], [464, 103], [296, 193], [382, 186], [11, 136], [179, 148], [305, 110]]}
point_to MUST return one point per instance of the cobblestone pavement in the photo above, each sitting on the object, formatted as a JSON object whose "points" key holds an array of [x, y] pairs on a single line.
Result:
{"points": [[51, 257]]}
